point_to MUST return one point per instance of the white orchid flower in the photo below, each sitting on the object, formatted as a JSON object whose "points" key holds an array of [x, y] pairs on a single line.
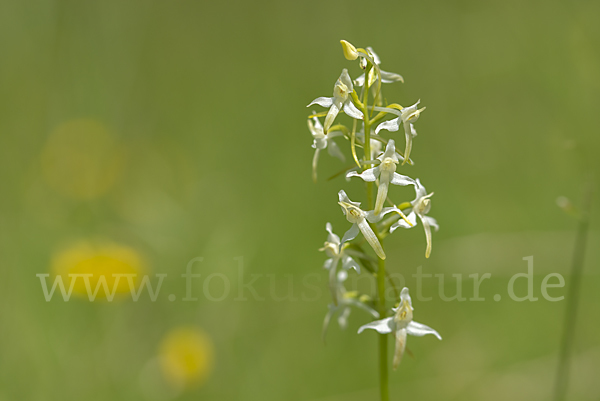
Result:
{"points": [[322, 141], [407, 116], [343, 307], [377, 143], [420, 207], [386, 77], [336, 251], [341, 100], [386, 172], [400, 324], [358, 217]]}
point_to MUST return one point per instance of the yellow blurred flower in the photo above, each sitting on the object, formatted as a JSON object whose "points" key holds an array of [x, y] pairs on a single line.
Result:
{"points": [[100, 259], [81, 159], [186, 357]]}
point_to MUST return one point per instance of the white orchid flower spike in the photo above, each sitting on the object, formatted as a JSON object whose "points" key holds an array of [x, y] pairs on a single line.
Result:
{"points": [[420, 207], [322, 141], [386, 172], [343, 307], [407, 116], [400, 324], [341, 100], [336, 251], [386, 77], [358, 217]]}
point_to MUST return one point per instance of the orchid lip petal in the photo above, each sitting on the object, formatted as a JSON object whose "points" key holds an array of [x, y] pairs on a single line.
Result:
{"points": [[332, 114], [371, 238], [332, 237], [400, 347], [346, 80], [382, 191]]}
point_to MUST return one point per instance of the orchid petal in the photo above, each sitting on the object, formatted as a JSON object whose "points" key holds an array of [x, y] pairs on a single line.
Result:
{"points": [[405, 296], [332, 237], [351, 110], [350, 234], [409, 111], [420, 189], [346, 80], [399, 179], [390, 125], [412, 217], [319, 142], [317, 124], [390, 77], [375, 218], [322, 101], [383, 326], [390, 151], [334, 151], [432, 222], [349, 263], [368, 175], [420, 330], [344, 198]]}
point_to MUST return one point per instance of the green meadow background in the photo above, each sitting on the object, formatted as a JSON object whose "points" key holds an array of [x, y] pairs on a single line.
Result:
{"points": [[210, 157]]}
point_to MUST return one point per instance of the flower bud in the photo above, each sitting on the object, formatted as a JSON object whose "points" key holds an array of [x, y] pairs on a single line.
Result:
{"points": [[350, 51], [363, 63]]}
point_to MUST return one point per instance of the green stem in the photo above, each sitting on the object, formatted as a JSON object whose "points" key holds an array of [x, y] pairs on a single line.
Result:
{"points": [[562, 373], [381, 276], [367, 144], [383, 343], [367, 128]]}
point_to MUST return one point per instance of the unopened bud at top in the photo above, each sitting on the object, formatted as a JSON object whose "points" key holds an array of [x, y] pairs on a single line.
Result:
{"points": [[350, 51]]}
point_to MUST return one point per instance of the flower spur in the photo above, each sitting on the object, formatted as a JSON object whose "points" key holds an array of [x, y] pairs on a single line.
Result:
{"points": [[322, 141]]}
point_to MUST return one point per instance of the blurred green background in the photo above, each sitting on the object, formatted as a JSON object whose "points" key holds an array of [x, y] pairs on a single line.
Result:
{"points": [[178, 129]]}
